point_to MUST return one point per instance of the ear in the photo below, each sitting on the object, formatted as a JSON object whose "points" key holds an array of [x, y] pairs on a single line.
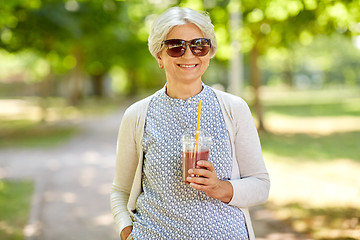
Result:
{"points": [[159, 60]]}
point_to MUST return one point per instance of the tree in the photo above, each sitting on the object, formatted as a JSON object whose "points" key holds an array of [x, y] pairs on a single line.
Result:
{"points": [[280, 24], [85, 39]]}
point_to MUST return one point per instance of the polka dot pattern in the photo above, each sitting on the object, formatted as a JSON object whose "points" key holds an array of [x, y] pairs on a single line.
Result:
{"points": [[167, 208]]}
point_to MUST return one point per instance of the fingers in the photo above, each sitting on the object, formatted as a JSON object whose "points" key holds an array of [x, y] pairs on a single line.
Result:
{"points": [[208, 185], [200, 172], [202, 176], [206, 169], [205, 179], [198, 180], [206, 164], [198, 186]]}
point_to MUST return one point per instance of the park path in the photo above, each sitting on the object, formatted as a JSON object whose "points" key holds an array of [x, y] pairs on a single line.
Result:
{"points": [[73, 181]]}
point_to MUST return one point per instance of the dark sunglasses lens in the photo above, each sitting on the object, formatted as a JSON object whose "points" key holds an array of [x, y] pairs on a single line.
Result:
{"points": [[200, 47], [175, 47]]}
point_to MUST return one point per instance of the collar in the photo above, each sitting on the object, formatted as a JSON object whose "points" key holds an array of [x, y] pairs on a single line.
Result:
{"points": [[200, 96]]}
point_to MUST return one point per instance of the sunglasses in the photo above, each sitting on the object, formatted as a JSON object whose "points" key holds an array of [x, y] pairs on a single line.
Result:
{"points": [[177, 47]]}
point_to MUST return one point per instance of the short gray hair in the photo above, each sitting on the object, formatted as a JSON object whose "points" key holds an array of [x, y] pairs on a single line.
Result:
{"points": [[176, 16]]}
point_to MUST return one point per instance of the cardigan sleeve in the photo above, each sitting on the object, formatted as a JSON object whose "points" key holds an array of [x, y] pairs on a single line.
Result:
{"points": [[126, 163], [252, 188]]}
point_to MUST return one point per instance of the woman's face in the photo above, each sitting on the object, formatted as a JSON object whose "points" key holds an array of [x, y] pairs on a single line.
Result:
{"points": [[187, 68]]}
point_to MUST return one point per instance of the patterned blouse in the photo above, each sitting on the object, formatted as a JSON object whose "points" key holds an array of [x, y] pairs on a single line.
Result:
{"points": [[167, 208]]}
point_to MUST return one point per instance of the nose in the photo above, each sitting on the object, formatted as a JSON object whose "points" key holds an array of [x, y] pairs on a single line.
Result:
{"points": [[188, 53]]}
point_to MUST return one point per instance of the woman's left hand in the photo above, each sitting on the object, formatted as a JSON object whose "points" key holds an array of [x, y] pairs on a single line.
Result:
{"points": [[206, 180]]}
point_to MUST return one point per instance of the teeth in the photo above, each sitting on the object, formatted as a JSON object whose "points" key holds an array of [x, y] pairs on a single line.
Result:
{"points": [[187, 66]]}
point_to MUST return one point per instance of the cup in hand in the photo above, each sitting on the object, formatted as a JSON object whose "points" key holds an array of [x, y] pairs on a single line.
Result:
{"points": [[190, 156]]}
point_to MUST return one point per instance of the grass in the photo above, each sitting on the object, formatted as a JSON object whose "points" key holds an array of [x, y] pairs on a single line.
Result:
{"points": [[22, 126], [323, 223], [15, 196], [312, 103], [313, 156], [312, 152], [320, 200], [15, 199], [27, 133], [312, 148], [344, 108]]}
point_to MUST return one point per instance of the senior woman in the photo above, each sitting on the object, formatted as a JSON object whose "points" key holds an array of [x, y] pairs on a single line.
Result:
{"points": [[149, 200]]}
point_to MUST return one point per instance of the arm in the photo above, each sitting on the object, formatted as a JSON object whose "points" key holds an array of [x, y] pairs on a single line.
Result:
{"points": [[126, 163], [208, 182], [253, 186]]}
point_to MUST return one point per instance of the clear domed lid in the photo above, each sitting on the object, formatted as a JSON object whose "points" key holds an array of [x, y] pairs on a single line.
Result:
{"points": [[190, 136]]}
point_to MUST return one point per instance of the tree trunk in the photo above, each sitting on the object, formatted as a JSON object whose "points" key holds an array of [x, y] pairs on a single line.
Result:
{"points": [[98, 85], [76, 84], [256, 84], [45, 92], [76, 80], [288, 70], [46, 88], [236, 77], [132, 81]]}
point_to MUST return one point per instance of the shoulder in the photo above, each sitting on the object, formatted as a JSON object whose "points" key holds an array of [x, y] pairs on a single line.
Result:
{"points": [[138, 106], [230, 101], [136, 112], [235, 110]]}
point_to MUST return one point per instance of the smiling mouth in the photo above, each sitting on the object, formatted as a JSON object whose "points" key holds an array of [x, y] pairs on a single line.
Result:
{"points": [[187, 65]]}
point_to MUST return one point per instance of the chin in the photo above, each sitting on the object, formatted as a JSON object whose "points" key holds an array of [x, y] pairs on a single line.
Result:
{"points": [[190, 79]]}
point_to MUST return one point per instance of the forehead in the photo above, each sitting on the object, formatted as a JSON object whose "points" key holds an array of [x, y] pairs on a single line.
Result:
{"points": [[187, 31]]}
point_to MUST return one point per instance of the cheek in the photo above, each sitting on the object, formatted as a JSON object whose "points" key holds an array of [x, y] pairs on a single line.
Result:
{"points": [[168, 66], [206, 63], [165, 59]]}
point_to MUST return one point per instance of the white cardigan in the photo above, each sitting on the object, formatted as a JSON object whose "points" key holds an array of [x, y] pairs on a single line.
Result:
{"points": [[250, 179]]}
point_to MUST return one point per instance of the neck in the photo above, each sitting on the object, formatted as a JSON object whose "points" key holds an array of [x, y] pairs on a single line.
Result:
{"points": [[183, 91]]}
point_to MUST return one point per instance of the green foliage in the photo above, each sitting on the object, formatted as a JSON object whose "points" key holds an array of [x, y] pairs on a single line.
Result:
{"points": [[318, 63], [15, 200], [87, 39], [276, 23]]}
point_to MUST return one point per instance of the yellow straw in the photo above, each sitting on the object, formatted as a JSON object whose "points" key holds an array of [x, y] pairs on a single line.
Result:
{"points": [[198, 127]]}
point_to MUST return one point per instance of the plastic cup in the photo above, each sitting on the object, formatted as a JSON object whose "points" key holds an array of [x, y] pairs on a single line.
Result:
{"points": [[190, 156]]}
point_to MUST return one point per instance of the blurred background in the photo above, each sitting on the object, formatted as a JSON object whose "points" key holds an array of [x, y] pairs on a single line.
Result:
{"points": [[296, 63]]}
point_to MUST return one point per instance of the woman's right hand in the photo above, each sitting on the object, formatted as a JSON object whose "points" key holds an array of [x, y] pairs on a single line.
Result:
{"points": [[126, 232]]}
